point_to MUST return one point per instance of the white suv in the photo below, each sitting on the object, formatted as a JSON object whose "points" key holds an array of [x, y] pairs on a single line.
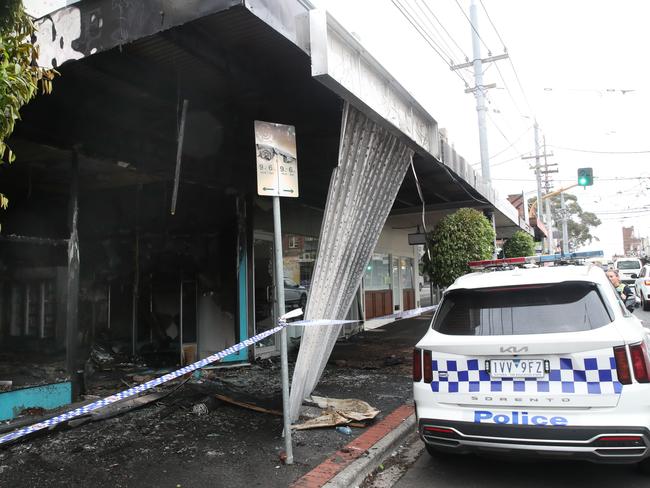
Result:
{"points": [[627, 268], [543, 361]]}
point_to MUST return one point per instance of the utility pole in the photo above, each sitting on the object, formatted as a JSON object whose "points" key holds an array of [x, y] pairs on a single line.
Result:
{"points": [[565, 227], [480, 95], [538, 175], [479, 89], [548, 184]]}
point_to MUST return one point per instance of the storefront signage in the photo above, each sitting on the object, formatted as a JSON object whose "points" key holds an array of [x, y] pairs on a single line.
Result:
{"points": [[419, 238], [277, 165]]}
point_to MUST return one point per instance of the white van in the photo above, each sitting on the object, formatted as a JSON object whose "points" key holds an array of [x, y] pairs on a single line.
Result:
{"points": [[626, 268]]}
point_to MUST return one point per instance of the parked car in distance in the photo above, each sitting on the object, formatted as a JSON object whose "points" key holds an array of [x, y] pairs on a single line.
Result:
{"points": [[295, 295], [643, 287], [626, 268]]}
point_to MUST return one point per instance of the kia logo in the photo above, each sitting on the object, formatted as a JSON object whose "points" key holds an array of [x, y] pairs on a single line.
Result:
{"points": [[514, 349]]}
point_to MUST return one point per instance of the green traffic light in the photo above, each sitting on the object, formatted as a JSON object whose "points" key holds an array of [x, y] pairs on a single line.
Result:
{"points": [[585, 176]]}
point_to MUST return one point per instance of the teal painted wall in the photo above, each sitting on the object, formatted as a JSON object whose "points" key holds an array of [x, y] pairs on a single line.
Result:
{"points": [[45, 396]]}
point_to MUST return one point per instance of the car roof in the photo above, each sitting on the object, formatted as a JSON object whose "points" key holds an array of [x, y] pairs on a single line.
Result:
{"points": [[627, 259], [531, 276]]}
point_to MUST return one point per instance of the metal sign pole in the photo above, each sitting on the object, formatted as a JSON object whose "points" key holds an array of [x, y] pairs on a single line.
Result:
{"points": [[279, 293], [277, 175]]}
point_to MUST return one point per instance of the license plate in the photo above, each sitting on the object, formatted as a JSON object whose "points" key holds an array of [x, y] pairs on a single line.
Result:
{"points": [[516, 368]]}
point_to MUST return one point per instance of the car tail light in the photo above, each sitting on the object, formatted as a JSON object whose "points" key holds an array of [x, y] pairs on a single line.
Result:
{"points": [[640, 362], [646, 282], [622, 365], [620, 438], [438, 430], [417, 365], [426, 360]]}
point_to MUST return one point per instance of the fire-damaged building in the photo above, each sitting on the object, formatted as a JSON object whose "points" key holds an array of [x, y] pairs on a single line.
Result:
{"points": [[135, 234]]}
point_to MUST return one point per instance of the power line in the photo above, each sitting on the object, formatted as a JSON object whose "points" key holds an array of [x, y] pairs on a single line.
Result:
{"points": [[599, 152], [622, 178], [507, 88], [518, 156], [506, 148], [505, 50], [408, 16], [500, 131], [521, 87], [450, 50], [624, 212], [474, 28], [445, 30]]}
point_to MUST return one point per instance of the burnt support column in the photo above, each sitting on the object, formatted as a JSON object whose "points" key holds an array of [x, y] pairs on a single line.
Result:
{"points": [[72, 304], [136, 274]]}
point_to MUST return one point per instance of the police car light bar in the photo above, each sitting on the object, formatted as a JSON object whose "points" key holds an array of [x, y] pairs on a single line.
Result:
{"points": [[548, 258]]}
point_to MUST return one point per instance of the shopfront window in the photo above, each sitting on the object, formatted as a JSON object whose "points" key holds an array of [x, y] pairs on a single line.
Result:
{"points": [[299, 256], [406, 272], [377, 275]]}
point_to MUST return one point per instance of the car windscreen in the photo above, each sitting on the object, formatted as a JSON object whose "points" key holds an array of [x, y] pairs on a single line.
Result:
{"points": [[628, 265], [539, 309]]}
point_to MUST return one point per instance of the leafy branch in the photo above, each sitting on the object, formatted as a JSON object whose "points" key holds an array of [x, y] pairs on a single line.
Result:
{"points": [[20, 75]]}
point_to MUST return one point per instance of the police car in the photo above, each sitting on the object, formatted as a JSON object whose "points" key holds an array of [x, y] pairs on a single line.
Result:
{"points": [[543, 361]]}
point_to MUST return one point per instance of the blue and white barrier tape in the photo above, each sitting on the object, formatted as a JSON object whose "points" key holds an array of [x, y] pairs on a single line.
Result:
{"points": [[282, 323]]}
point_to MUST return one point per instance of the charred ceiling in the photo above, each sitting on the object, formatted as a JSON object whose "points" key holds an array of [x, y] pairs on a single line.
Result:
{"points": [[120, 110]]}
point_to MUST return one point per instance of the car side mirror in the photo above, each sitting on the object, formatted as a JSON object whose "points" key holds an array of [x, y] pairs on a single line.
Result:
{"points": [[635, 276]]}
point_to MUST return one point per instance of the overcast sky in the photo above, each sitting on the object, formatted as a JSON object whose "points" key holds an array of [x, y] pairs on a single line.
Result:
{"points": [[585, 77]]}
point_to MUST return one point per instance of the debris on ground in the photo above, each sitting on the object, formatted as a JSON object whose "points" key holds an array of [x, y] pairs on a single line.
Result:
{"points": [[205, 406], [338, 412], [329, 418], [352, 409], [344, 429], [166, 440]]}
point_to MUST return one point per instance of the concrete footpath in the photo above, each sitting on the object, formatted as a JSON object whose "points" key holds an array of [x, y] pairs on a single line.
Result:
{"points": [[170, 443], [350, 465]]}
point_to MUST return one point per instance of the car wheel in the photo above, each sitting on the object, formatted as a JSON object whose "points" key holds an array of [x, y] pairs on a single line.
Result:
{"points": [[302, 302]]}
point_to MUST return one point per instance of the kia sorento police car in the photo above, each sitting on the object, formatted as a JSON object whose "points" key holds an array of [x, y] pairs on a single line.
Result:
{"points": [[544, 361]]}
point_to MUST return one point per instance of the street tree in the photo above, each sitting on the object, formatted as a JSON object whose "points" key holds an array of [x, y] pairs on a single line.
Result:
{"points": [[579, 223], [20, 76], [466, 235], [520, 244]]}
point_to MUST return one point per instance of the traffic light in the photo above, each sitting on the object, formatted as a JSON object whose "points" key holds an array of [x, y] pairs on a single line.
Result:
{"points": [[585, 176]]}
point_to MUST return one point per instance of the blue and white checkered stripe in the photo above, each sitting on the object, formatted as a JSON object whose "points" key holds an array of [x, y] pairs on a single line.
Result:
{"points": [[583, 376], [282, 323], [140, 388]]}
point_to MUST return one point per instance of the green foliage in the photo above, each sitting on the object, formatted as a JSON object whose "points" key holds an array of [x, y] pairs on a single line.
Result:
{"points": [[466, 235], [20, 76], [520, 244], [579, 224]]}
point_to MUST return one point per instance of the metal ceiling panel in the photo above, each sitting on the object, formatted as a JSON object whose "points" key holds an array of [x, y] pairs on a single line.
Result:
{"points": [[372, 164]]}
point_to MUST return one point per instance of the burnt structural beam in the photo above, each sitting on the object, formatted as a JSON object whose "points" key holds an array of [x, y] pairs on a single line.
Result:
{"points": [[72, 295], [43, 241], [95, 26]]}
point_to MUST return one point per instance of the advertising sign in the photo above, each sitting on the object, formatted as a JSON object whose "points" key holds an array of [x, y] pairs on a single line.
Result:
{"points": [[277, 164]]}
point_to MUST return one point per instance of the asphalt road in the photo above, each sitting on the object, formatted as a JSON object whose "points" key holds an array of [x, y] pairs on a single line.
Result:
{"points": [[480, 472], [472, 471]]}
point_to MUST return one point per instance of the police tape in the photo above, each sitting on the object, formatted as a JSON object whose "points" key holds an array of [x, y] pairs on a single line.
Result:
{"points": [[136, 390]]}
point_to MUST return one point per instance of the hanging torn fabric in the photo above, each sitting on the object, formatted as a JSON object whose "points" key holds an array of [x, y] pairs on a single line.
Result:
{"points": [[371, 166]]}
